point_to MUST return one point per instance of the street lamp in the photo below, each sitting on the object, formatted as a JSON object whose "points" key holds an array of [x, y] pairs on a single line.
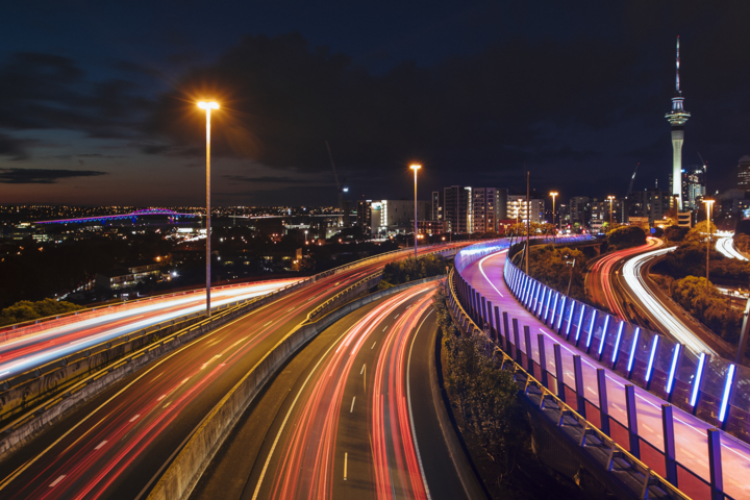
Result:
{"points": [[611, 200], [708, 228], [207, 107], [415, 167], [553, 194]]}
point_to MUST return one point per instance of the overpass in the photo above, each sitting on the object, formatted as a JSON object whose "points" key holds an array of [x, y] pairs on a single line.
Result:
{"points": [[628, 382]]}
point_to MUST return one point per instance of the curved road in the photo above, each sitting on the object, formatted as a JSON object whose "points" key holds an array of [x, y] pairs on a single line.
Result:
{"points": [[486, 276], [116, 445], [602, 282], [357, 417]]}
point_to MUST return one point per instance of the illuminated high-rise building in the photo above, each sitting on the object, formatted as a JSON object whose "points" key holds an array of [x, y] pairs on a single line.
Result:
{"points": [[677, 118]]}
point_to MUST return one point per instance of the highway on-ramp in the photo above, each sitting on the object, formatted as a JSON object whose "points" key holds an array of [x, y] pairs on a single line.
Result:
{"points": [[116, 445]]}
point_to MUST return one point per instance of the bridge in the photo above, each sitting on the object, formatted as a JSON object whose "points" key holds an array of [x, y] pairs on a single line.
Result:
{"points": [[683, 416], [173, 216]]}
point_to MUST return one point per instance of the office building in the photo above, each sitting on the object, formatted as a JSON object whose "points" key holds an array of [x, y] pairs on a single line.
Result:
{"points": [[518, 210], [458, 208], [743, 173]]}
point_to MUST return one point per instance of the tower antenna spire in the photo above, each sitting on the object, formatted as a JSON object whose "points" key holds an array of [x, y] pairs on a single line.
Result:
{"points": [[677, 82]]}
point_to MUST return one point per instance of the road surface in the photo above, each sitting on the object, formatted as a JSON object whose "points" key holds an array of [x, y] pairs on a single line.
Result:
{"points": [[117, 444], [352, 416]]}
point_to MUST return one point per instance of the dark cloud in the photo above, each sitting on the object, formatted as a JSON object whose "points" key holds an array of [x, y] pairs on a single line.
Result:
{"points": [[45, 91], [267, 179], [16, 148], [41, 176]]}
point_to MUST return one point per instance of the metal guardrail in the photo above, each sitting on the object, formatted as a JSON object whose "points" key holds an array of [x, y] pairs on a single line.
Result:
{"points": [[615, 460]]}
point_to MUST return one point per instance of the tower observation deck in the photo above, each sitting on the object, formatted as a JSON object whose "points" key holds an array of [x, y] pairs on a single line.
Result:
{"points": [[677, 118]]}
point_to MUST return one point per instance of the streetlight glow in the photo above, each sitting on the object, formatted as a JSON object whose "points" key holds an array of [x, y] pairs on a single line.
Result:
{"points": [[708, 203], [208, 105], [553, 194]]}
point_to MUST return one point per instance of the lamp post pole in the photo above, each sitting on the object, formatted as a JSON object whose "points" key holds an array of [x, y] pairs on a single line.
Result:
{"points": [[611, 200], [708, 238], [553, 194], [415, 167], [208, 106]]}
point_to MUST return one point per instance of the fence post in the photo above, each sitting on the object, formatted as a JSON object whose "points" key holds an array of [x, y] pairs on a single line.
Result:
{"points": [[529, 356], [667, 423], [601, 380], [517, 340], [559, 373], [542, 359], [493, 330], [484, 311], [506, 339], [714, 462], [580, 396], [635, 445], [499, 337]]}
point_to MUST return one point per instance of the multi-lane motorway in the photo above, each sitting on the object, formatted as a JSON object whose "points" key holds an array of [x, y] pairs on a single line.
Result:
{"points": [[353, 415], [117, 444], [27, 347]]}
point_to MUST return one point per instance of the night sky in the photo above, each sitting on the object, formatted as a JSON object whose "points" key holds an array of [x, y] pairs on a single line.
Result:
{"points": [[97, 99]]}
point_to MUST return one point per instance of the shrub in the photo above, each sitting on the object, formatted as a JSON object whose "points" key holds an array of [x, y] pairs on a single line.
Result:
{"points": [[626, 237], [26, 310], [552, 266], [411, 269]]}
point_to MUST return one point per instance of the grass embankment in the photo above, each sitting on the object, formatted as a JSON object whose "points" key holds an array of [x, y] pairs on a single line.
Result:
{"points": [[491, 421]]}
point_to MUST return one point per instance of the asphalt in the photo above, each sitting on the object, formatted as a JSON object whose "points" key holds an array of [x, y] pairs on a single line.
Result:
{"points": [[309, 406], [116, 445]]}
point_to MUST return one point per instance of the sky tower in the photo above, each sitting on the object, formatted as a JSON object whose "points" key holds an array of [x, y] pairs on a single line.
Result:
{"points": [[677, 117]]}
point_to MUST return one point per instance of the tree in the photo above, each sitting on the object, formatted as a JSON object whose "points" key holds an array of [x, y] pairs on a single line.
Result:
{"points": [[411, 269], [552, 266], [676, 233], [742, 242], [709, 306], [27, 311], [626, 237], [698, 234]]}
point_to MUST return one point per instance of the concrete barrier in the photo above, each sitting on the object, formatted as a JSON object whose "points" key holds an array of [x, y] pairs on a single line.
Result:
{"points": [[182, 475], [31, 423]]}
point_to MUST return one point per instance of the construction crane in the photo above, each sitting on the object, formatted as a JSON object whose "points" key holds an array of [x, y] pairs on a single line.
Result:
{"points": [[632, 179]]}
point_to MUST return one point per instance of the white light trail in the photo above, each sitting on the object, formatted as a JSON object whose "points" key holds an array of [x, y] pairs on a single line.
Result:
{"points": [[672, 325]]}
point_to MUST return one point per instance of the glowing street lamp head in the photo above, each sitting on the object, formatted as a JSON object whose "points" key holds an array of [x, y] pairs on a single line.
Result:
{"points": [[553, 193], [208, 105], [610, 198], [415, 166]]}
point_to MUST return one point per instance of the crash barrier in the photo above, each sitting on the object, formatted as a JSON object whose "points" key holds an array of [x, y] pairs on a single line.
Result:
{"points": [[183, 474], [616, 468], [20, 392], [620, 348], [17, 330]]}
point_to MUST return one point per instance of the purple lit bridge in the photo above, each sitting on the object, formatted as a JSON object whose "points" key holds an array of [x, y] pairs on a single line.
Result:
{"points": [[173, 216]]}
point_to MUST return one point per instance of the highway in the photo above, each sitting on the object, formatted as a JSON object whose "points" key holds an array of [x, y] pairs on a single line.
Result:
{"points": [[352, 416], [28, 347], [725, 246], [486, 276], [117, 444], [602, 282]]}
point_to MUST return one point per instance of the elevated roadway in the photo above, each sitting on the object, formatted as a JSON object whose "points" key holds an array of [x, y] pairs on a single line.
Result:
{"points": [[486, 277], [117, 444]]}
